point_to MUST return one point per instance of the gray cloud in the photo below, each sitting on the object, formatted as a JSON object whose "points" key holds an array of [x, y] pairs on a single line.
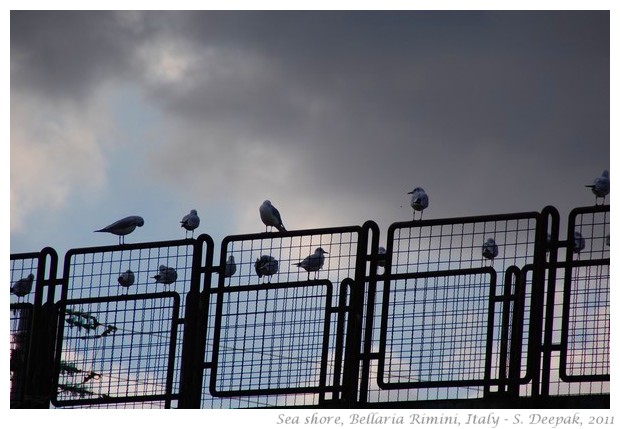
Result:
{"points": [[349, 108]]}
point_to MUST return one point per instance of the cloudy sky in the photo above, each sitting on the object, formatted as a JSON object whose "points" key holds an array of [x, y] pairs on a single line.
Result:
{"points": [[333, 116]]}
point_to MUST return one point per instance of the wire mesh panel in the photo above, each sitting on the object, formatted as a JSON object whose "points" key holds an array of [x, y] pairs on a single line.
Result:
{"points": [[22, 286], [24, 270], [454, 244], [436, 330], [117, 350], [31, 288], [21, 321], [103, 271], [274, 329], [447, 324], [273, 339], [586, 306], [131, 270]]}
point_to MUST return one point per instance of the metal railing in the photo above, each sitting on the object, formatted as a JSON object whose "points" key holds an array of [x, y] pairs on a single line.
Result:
{"points": [[430, 320]]}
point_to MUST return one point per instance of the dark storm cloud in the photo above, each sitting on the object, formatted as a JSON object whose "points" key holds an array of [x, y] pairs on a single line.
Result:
{"points": [[365, 103], [401, 96]]}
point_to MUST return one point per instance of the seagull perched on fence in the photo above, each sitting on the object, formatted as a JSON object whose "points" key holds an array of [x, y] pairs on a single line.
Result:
{"points": [[190, 222], [490, 249], [600, 187], [167, 275], [271, 216], [266, 265], [313, 262], [381, 255], [231, 267], [579, 242], [127, 278], [419, 201], [22, 287], [123, 227]]}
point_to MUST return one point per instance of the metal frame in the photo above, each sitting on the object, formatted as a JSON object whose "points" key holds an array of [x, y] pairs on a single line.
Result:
{"points": [[527, 304]]}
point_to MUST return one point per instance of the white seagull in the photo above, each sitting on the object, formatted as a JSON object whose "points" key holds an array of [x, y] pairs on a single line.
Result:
{"points": [[266, 265], [419, 201], [22, 287], [190, 222], [123, 227], [600, 187], [127, 278], [271, 216], [167, 275], [313, 262], [490, 249]]}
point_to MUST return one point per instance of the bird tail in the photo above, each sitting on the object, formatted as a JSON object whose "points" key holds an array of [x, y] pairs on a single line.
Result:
{"points": [[100, 230], [281, 228]]}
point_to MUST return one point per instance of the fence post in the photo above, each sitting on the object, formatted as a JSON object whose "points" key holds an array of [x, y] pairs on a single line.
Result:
{"points": [[194, 337], [352, 385]]}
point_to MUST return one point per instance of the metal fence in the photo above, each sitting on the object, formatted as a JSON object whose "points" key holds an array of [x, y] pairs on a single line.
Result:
{"points": [[431, 319]]}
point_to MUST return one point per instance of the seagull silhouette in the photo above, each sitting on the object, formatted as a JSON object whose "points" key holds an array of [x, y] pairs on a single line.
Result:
{"points": [[22, 287], [190, 222], [167, 275], [313, 262], [419, 201], [266, 265], [271, 216], [123, 227], [600, 187], [127, 278]]}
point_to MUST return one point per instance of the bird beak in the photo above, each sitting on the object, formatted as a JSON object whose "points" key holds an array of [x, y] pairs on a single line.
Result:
{"points": [[410, 192]]}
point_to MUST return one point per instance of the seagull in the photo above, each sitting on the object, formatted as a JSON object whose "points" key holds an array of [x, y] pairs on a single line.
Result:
{"points": [[231, 267], [419, 201], [271, 216], [579, 242], [313, 262], [266, 265], [123, 227], [127, 278], [600, 187], [381, 253], [167, 275], [190, 222], [490, 249], [22, 287]]}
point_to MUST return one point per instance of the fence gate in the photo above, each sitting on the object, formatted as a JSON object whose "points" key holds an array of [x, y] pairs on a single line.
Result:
{"points": [[450, 321], [120, 330], [279, 338]]}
